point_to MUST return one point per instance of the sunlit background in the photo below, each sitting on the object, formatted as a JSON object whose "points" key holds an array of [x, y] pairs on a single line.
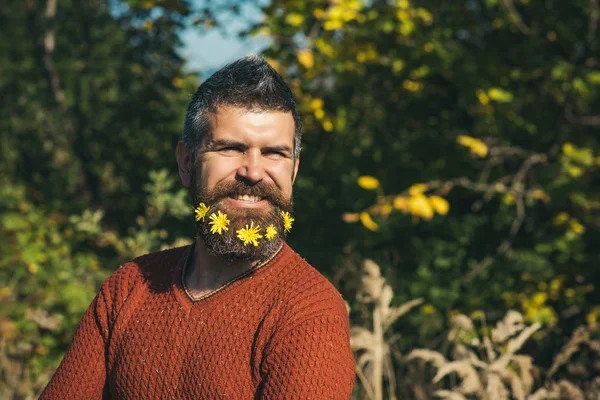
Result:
{"points": [[449, 178]]}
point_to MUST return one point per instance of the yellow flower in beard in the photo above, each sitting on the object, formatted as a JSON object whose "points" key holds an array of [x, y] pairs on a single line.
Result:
{"points": [[249, 235], [219, 223], [271, 232], [201, 211], [287, 220]]}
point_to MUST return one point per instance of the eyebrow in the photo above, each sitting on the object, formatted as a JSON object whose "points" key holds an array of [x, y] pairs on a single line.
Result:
{"points": [[212, 144]]}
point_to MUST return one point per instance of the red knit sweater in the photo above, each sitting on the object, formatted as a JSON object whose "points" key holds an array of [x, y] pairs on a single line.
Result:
{"points": [[279, 332]]}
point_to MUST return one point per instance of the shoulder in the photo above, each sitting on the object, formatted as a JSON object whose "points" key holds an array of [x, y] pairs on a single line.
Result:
{"points": [[305, 293], [150, 270]]}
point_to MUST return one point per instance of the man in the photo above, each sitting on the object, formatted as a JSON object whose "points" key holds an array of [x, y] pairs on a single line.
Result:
{"points": [[238, 314]]}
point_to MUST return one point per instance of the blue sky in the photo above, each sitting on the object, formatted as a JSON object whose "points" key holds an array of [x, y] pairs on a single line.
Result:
{"points": [[208, 50]]}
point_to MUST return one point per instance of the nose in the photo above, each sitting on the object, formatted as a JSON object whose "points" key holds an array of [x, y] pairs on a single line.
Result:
{"points": [[252, 170]]}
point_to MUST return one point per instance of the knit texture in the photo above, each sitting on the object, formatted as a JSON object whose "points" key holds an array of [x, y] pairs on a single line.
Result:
{"points": [[280, 332]]}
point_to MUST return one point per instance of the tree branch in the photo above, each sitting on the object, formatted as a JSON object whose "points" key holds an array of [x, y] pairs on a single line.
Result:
{"points": [[48, 48], [593, 26], [510, 6], [589, 120], [517, 189]]}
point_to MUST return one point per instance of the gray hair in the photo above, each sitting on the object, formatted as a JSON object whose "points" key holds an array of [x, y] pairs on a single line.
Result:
{"points": [[249, 83]]}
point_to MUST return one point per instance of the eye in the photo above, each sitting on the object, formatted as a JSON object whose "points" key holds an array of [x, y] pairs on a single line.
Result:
{"points": [[230, 150], [275, 154]]}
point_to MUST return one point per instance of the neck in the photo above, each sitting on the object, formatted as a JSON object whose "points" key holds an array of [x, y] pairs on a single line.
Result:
{"points": [[206, 272]]}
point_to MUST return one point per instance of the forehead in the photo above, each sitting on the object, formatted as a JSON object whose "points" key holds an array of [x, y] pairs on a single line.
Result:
{"points": [[252, 125]]}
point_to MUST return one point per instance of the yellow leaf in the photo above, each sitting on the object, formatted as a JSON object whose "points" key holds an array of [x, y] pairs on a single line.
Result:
{"points": [[407, 27], [306, 58], [316, 104], [592, 316], [263, 31], [425, 16], [439, 204], [4, 293], [368, 182], [177, 82], [540, 195], [417, 188], [383, 209], [508, 199], [403, 4], [350, 217], [500, 95], [420, 207], [273, 63], [42, 350], [561, 218], [386, 209], [398, 65], [427, 309], [401, 203], [576, 226], [412, 86], [294, 19], [574, 171], [476, 146], [483, 98], [332, 24], [368, 222], [327, 125], [568, 148], [539, 299]]}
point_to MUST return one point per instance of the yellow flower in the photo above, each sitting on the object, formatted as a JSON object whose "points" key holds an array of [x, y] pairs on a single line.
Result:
{"points": [[219, 223], [287, 220], [249, 235], [271, 232], [201, 211]]}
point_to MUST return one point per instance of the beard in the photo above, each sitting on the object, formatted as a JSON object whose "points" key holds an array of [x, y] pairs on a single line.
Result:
{"points": [[227, 245]]}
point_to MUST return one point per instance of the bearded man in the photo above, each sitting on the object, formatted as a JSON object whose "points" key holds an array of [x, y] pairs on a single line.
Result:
{"points": [[238, 314]]}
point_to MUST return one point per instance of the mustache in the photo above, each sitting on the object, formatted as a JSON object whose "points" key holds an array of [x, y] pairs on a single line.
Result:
{"points": [[237, 188]]}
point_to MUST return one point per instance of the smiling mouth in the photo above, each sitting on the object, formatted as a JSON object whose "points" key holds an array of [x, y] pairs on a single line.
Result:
{"points": [[247, 198]]}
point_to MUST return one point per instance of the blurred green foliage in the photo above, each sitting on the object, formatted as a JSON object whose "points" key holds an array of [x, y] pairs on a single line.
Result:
{"points": [[454, 143]]}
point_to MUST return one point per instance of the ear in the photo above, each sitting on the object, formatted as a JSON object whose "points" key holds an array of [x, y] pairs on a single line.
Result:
{"points": [[184, 163], [296, 164]]}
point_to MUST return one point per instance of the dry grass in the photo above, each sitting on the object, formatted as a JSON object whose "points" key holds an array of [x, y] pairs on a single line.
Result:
{"points": [[483, 364], [373, 346]]}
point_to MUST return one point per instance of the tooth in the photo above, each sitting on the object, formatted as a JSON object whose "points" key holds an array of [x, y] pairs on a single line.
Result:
{"points": [[248, 198]]}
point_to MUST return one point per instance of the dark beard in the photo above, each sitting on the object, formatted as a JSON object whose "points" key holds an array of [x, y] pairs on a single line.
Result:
{"points": [[228, 245]]}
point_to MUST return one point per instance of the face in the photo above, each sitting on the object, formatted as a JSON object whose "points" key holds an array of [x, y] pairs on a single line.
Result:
{"points": [[245, 168]]}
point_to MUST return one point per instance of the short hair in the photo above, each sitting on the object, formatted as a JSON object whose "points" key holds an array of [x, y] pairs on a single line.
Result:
{"points": [[249, 83]]}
